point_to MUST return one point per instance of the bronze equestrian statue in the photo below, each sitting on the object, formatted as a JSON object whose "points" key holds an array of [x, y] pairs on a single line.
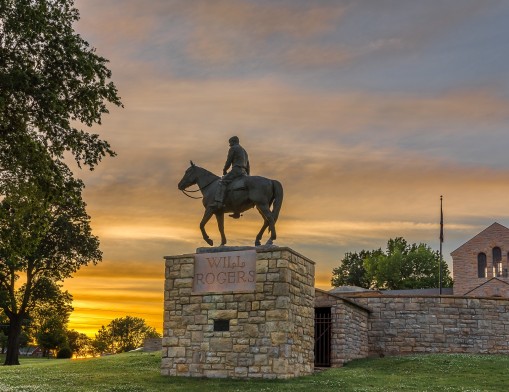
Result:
{"points": [[237, 194]]}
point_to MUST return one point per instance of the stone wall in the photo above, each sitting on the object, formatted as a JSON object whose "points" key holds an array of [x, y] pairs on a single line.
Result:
{"points": [[403, 325], [152, 344], [271, 329], [349, 335]]}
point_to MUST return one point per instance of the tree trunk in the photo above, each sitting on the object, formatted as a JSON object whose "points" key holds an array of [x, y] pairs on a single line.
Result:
{"points": [[12, 357]]}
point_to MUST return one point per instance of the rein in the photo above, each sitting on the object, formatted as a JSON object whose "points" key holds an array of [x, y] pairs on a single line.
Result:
{"points": [[197, 190]]}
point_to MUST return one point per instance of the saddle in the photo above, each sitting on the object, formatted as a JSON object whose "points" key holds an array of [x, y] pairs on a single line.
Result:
{"points": [[238, 184]]}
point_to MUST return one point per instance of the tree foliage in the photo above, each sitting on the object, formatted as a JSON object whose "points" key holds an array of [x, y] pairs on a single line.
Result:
{"points": [[52, 84], [51, 335], [50, 80], [48, 316], [401, 266], [44, 238], [123, 334], [351, 271], [79, 343], [3, 331], [406, 266]]}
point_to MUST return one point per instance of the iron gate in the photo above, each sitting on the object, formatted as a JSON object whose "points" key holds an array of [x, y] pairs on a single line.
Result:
{"points": [[323, 323]]}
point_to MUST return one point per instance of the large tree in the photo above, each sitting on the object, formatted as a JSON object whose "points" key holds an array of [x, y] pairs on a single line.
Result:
{"points": [[44, 240], [52, 335], [79, 343], [52, 84], [351, 271], [406, 266], [123, 334], [401, 266], [47, 320]]}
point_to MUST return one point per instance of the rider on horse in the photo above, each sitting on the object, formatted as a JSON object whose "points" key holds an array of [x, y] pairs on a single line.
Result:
{"points": [[239, 162]]}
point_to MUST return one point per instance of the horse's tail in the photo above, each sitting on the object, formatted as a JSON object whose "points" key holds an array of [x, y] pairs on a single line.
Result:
{"points": [[277, 189]]}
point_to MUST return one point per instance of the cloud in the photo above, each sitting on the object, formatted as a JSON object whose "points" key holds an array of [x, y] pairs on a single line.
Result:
{"points": [[314, 91], [169, 107], [223, 32], [336, 146]]}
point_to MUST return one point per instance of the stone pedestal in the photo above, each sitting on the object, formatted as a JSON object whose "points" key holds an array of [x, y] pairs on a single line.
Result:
{"points": [[258, 322]]}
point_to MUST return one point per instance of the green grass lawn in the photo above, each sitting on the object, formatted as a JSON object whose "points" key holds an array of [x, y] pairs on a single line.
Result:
{"points": [[137, 372]]}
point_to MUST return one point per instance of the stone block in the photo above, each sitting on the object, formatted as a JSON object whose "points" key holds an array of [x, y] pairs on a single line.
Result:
{"points": [[176, 352], [251, 330], [170, 341], [197, 336], [277, 314], [240, 348], [183, 283], [200, 319], [281, 289], [279, 337], [222, 314], [182, 368], [282, 302], [215, 373], [267, 304], [261, 359], [262, 266], [221, 344], [273, 277], [280, 366], [187, 271]]}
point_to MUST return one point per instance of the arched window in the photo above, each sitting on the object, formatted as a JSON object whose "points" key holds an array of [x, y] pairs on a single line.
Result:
{"points": [[481, 265], [497, 261], [497, 255]]}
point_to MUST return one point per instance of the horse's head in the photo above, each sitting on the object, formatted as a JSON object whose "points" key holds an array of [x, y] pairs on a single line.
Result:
{"points": [[190, 177]]}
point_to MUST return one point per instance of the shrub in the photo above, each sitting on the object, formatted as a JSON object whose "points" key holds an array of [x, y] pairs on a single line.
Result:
{"points": [[64, 352]]}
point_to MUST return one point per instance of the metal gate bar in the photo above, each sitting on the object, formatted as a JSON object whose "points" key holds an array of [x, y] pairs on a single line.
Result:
{"points": [[323, 322]]}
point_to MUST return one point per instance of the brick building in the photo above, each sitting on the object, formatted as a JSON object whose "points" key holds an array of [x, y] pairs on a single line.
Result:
{"points": [[481, 264]]}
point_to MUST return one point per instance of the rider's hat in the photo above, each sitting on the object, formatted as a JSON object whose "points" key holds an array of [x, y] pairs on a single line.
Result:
{"points": [[234, 139]]}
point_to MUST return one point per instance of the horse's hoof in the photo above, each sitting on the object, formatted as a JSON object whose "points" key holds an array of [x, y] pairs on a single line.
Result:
{"points": [[223, 244], [209, 241], [258, 243], [269, 242]]}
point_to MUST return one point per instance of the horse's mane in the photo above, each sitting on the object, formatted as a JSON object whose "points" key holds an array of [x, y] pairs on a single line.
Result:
{"points": [[206, 172]]}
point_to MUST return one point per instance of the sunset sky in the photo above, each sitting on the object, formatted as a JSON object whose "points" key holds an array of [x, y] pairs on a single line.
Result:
{"points": [[365, 111]]}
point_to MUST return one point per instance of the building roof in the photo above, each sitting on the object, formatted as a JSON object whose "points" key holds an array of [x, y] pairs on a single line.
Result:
{"points": [[493, 227], [347, 289], [488, 282], [347, 300], [420, 292]]}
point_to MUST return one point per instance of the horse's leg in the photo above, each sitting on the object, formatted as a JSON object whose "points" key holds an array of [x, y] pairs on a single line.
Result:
{"points": [[220, 225], [260, 234], [267, 215], [206, 217]]}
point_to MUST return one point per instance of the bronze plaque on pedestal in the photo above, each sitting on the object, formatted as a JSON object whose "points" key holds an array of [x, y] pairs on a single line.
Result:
{"points": [[224, 271]]}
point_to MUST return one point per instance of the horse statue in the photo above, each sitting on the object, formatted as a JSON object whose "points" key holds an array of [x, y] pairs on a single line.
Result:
{"points": [[244, 193]]}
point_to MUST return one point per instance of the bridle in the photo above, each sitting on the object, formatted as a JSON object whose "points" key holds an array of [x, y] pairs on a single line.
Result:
{"points": [[197, 190]]}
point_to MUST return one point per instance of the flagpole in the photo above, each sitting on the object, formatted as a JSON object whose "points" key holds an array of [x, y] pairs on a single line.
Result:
{"points": [[441, 241]]}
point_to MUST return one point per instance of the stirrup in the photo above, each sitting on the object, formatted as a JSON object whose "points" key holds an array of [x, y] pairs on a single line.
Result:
{"points": [[235, 215]]}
